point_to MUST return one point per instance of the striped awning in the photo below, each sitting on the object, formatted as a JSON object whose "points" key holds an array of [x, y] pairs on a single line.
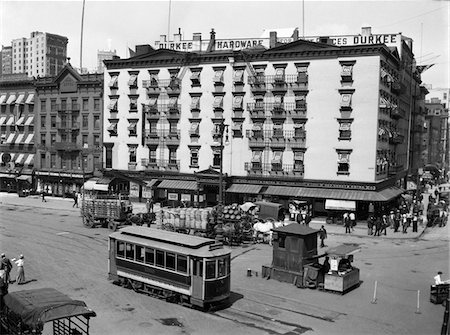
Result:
{"points": [[29, 139], [244, 188], [19, 122], [30, 99], [20, 159], [2, 99], [20, 99], [19, 139], [178, 184], [358, 195], [6, 175], [29, 160], [29, 121], [10, 121], [2, 120], [282, 190], [24, 178], [11, 99], [10, 138]]}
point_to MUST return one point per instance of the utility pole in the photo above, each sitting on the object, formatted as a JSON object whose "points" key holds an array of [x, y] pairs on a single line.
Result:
{"points": [[220, 130]]}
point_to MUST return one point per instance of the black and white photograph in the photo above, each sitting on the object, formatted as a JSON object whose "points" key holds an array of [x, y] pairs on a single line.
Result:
{"points": [[224, 167]]}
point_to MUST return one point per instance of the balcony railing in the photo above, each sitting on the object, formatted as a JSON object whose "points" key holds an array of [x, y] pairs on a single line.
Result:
{"points": [[68, 108], [397, 113], [161, 164], [171, 85], [68, 126], [274, 169], [66, 146]]}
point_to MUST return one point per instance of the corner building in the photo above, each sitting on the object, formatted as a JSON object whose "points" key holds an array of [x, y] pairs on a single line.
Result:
{"points": [[303, 120]]}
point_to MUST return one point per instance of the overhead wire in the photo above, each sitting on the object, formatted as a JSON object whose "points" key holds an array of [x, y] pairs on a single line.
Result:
{"points": [[412, 17]]}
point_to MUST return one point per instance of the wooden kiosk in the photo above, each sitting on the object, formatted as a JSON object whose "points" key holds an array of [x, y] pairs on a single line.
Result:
{"points": [[342, 275], [294, 246]]}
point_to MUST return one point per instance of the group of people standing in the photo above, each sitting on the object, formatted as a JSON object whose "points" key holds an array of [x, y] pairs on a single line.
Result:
{"points": [[6, 266], [349, 221]]}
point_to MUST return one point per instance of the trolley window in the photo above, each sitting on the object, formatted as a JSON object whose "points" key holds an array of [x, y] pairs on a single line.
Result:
{"points": [[139, 254], [182, 264], [198, 268], [149, 256], [129, 251], [210, 269], [120, 249], [221, 268], [160, 258], [170, 261]]}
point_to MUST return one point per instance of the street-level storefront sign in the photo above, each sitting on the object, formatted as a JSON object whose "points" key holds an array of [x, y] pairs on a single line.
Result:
{"points": [[172, 196], [134, 190], [332, 204]]}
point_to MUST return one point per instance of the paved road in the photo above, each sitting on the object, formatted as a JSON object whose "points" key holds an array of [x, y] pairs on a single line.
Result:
{"points": [[61, 253]]}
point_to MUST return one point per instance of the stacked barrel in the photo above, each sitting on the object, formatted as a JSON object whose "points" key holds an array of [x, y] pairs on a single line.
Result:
{"points": [[184, 218]]}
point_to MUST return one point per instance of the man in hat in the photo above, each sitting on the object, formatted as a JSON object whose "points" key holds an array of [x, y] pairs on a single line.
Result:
{"points": [[322, 236], [439, 281], [6, 265]]}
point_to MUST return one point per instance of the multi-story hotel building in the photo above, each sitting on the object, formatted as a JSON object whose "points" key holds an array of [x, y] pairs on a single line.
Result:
{"points": [[300, 120], [43, 54], [6, 56], [68, 130], [17, 117]]}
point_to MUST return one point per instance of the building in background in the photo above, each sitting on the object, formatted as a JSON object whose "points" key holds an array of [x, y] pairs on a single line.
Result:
{"points": [[6, 63], [68, 130], [301, 120], [17, 118], [438, 149], [443, 94], [103, 55], [43, 54], [418, 135]]}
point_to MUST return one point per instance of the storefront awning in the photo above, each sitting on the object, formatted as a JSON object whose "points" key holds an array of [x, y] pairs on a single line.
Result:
{"points": [[179, 184], [30, 99], [6, 175], [24, 178], [29, 160], [29, 121], [151, 182], [340, 205], [282, 190], [89, 184], [357, 195], [2, 99], [29, 139], [20, 158], [244, 188], [10, 138], [19, 139], [20, 99], [2, 120], [11, 99]]}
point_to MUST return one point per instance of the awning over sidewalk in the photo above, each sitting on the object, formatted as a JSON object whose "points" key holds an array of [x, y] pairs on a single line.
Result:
{"points": [[282, 190], [178, 184], [24, 178], [356, 195], [6, 175], [340, 205], [244, 188]]}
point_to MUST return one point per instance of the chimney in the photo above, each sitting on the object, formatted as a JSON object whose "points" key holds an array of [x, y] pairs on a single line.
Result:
{"points": [[197, 42], [143, 49], [325, 40], [162, 38], [295, 34], [273, 39], [366, 31], [212, 41], [177, 37]]}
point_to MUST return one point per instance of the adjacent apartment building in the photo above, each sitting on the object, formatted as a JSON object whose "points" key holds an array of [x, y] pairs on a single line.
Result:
{"points": [[300, 120]]}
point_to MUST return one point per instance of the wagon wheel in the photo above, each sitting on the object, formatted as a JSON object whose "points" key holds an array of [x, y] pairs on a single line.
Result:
{"points": [[112, 225], [88, 220]]}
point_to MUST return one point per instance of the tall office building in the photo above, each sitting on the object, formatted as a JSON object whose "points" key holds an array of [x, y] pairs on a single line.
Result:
{"points": [[104, 55], [6, 60], [41, 55]]}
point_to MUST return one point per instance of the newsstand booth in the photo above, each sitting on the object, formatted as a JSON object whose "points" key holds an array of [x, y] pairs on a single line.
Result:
{"points": [[26, 312]]}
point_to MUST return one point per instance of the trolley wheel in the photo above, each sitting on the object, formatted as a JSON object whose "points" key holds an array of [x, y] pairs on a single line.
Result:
{"points": [[88, 220], [112, 225]]}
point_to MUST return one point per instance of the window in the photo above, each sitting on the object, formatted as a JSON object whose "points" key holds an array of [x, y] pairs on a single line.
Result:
{"points": [[173, 103], [159, 258], [237, 129], [139, 254], [237, 102], [132, 154], [260, 76], [96, 140], [132, 82], [133, 104], [195, 103], [210, 270], [173, 128], [299, 130], [43, 121], [218, 102], [195, 78], [43, 161], [194, 157], [113, 81], [52, 139], [281, 241], [108, 157], [85, 104], [85, 140], [279, 75], [53, 121], [97, 105], [129, 251], [172, 156], [276, 160], [150, 256], [347, 71], [218, 76], [346, 100], [43, 137], [194, 131], [153, 80], [63, 104], [343, 162], [120, 249], [298, 161], [85, 121], [152, 155], [216, 157], [300, 102], [170, 261], [302, 74], [132, 128], [257, 130], [238, 76], [221, 267], [278, 101], [96, 121], [278, 130], [345, 132], [53, 105], [53, 161], [182, 263], [153, 127]]}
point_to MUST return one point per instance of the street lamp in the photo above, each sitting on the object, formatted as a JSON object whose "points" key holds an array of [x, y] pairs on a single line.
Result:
{"points": [[221, 129]]}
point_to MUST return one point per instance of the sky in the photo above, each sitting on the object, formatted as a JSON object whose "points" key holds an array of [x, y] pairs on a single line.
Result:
{"points": [[121, 25]]}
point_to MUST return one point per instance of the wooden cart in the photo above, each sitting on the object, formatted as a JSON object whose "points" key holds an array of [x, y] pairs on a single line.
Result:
{"points": [[108, 212]]}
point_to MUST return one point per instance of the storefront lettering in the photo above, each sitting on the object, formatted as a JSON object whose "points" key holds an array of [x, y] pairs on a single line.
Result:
{"points": [[238, 44], [176, 46]]}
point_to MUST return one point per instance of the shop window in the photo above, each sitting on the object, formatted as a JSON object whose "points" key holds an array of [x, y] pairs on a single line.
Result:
{"points": [[194, 158], [210, 270]]}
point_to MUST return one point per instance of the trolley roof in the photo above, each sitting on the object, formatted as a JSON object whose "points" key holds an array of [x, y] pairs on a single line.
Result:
{"points": [[171, 241]]}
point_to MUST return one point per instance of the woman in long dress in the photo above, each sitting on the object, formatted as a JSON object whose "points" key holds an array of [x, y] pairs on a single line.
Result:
{"points": [[20, 272]]}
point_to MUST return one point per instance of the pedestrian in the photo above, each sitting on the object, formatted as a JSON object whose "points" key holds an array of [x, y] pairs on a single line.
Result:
{"points": [[346, 219], [3, 288], [370, 223], [414, 223], [391, 219], [6, 265], [75, 199], [43, 197], [20, 271], [397, 220], [377, 226], [404, 224], [322, 236], [384, 224], [352, 217], [371, 209]]}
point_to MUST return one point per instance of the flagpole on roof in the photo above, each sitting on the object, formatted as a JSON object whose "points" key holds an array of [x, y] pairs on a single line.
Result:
{"points": [[303, 19], [168, 24], [81, 41]]}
